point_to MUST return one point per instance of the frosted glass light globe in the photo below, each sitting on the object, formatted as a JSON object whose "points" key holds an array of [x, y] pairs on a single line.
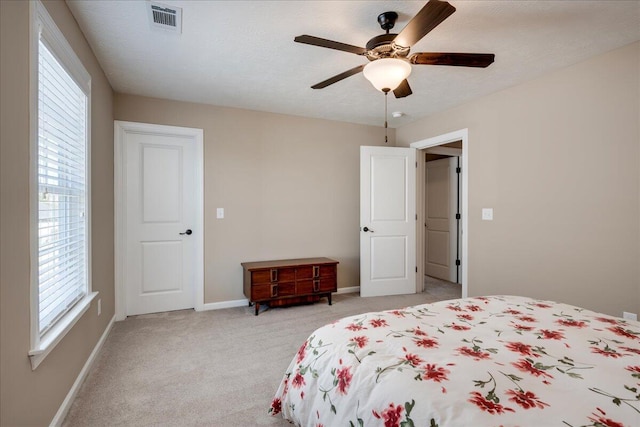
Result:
{"points": [[386, 74]]}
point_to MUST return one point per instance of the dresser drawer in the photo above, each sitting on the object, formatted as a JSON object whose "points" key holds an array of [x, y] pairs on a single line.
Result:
{"points": [[285, 289], [273, 275], [313, 271], [262, 292], [265, 291], [305, 286], [312, 286], [328, 284]]}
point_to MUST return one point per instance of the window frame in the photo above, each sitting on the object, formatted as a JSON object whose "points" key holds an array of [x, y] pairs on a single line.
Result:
{"points": [[42, 26]]}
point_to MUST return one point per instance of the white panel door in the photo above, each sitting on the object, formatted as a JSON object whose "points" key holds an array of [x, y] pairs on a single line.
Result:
{"points": [[387, 221], [161, 250], [440, 223]]}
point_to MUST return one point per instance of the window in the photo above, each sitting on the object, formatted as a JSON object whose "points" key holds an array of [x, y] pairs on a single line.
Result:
{"points": [[61, 290]]}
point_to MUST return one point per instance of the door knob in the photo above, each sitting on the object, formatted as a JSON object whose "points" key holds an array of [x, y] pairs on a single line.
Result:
{"points": [[188, 232], [365, 229]]}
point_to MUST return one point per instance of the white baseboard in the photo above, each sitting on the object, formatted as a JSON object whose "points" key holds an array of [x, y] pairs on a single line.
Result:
{"points": [[225, 304], [66, 404], [349, 290], [245, 302]]}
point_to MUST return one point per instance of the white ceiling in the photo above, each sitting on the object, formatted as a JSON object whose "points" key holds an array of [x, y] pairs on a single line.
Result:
{"points": [[242, 54]]}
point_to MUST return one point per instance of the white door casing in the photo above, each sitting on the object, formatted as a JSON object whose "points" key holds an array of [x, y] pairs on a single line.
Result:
{"points": [[440, 220], [387, 221], [159, 264], [459, 135]]}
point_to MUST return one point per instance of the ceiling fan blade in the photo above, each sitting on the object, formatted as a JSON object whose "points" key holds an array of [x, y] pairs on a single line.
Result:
{"points": [[481, 60], [429, 17], [338, 77], [403, 90], [317, 41]]}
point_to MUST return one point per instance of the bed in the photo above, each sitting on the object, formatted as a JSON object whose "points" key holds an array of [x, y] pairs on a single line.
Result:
{"points": [[484, 361]]}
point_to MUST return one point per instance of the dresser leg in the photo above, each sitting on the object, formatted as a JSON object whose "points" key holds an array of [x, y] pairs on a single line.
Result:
{"points": [[257, 308], [329, 298]]}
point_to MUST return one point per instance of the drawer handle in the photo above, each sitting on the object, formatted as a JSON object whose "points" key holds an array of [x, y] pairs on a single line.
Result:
{"points": [[316, 286], [274, 275], [316, 271], [274, 291]]}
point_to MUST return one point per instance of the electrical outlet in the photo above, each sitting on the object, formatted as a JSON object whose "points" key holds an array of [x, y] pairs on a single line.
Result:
{"points": [[99, 307], [630, 316], [220, 213]]}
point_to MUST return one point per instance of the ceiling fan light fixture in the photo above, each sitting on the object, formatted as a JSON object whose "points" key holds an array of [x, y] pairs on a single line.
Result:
{"points": [[386, 74]]}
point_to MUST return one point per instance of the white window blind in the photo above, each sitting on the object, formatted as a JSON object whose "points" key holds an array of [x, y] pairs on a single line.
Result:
{"points": [[62, 190]]}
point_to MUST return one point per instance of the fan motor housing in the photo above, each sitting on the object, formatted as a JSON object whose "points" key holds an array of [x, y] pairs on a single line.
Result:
{"points": [[381, 40], [382, 46], [387, 20]]}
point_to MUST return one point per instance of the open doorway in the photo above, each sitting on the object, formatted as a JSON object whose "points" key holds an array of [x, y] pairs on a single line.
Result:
{"points": [[449, 254], [442, 217]]}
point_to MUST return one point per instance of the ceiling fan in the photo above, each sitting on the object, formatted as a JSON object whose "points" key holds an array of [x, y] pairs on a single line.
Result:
{"points": [[390, 62]]}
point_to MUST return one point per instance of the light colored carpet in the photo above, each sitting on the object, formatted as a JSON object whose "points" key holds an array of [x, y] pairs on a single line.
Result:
{"points": [[213, 368]]}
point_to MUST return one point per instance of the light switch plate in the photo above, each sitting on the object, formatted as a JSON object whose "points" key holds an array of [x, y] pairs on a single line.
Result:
{"points": [[487, 214], [220, 213]]}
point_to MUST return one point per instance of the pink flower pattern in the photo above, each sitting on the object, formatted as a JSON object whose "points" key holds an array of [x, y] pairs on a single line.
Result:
{"points": [[509, 354], [572, 323], [435, 373], [518, 347], [525, 365], [426, 342], [392, 416], [601, 419], [378, 323], [298, 380], [607, 352], [344, 379], [488, 405], [526, 399], [551, 335], [622, 332], [361, 341], [302, 352], [413, 360], [476, 354]]}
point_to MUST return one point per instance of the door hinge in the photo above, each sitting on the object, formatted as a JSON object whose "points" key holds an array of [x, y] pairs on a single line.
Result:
{"points": [[457, 216], [458, 170], [457, 262], [416, 217], [416, 165], [416, 268]]}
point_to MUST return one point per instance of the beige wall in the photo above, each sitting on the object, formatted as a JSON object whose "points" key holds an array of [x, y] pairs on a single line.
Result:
{"points": [[289, 186], [558, 160], [31, 398]]}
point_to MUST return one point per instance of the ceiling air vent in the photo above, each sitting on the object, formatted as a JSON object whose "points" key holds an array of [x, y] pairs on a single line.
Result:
{"points": [[165, 17]]}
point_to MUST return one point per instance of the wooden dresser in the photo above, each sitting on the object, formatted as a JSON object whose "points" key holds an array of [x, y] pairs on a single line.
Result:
{"points": [[289, 281]]}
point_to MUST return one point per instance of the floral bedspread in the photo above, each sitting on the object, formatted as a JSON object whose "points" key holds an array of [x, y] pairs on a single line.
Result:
{"points": [[485, 361]]}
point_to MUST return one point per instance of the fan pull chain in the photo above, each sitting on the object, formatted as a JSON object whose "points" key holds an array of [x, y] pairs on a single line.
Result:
{"points": [[386, 139]]}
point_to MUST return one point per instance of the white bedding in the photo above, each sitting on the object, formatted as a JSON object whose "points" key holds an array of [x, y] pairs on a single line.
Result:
{"points": [[484, 361]]}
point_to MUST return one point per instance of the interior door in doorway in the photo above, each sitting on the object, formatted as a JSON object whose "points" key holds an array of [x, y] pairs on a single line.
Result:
{"points": [[441, 237], [161, 219], [387, 221]]}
